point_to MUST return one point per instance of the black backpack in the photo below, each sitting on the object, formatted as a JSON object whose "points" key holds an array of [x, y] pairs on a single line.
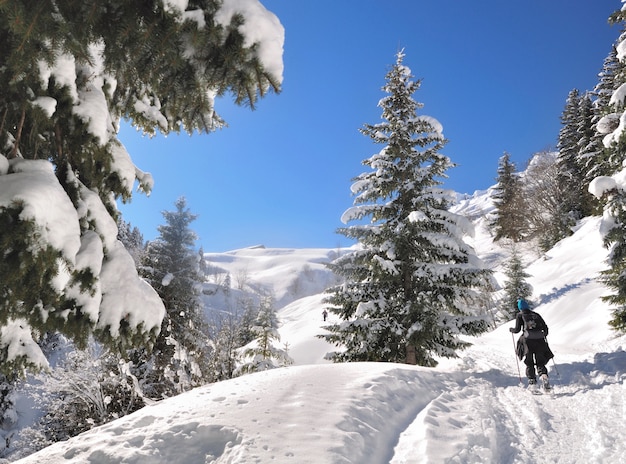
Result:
{"points": [[533, 325]]}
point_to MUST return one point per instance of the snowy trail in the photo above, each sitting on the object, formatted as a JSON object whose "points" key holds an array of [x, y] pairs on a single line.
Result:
{"points": [[470, 410], [470, 422], [490, 417]]}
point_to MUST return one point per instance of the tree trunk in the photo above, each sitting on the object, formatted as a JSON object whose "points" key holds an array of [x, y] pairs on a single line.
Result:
{"points": [[411, 355]]}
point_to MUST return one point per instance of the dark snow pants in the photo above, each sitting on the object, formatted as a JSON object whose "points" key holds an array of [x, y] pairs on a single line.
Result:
{"points": [[538, 355]]}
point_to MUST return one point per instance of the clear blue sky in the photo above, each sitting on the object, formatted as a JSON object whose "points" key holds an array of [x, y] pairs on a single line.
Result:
{"points": [[495, 74]]}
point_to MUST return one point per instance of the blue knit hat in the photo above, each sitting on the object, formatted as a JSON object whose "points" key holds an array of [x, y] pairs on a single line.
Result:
{"points": [[522, 304]]}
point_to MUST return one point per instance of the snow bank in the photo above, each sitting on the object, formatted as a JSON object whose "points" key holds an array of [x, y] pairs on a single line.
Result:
{"points": [[273, 416]]}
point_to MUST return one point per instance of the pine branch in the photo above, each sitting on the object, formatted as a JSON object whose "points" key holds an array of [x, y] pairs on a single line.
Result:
{"points": [[31, 27]]}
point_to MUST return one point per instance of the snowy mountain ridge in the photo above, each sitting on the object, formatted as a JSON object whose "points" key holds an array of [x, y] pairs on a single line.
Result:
{"points": [[467, 410]]}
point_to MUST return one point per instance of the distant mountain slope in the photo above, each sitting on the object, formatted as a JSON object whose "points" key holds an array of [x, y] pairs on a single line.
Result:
{"points": [[284, 273]]}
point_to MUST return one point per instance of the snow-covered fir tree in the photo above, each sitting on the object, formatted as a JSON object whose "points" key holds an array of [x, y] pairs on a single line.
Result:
{"points": [[262, 354], [231, 329], [588, 144], [225, 345], [568, 137], [600, 160], [611, 188], [575, 134], [132, 239], [246, 322], [509, 221], [8, 411], [171, 265], [516, 286], [70, 72], [409, 288]]}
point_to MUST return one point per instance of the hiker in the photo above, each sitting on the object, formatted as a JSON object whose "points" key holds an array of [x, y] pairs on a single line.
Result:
{"points": [[325, 315], [532, 344]]}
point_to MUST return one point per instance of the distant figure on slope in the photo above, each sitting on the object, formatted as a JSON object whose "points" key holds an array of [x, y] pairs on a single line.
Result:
{"points": [[324, 315], [532, 344]]}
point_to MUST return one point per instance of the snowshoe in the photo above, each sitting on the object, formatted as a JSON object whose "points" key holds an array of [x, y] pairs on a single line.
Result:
{"points": [[546, 383], [533, 387]]}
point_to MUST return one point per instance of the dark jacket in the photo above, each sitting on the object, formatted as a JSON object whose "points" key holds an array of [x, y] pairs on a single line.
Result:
{"points": [[541, 346], [535, 328], [533, 324]]}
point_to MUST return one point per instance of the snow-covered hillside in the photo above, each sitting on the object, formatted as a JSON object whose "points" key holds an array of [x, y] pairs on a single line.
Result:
{"points": [[285, 274], [467, 410]]}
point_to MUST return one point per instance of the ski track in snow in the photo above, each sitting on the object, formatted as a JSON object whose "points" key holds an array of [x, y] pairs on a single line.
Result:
{"points": [[492, 417], [475, 422]]}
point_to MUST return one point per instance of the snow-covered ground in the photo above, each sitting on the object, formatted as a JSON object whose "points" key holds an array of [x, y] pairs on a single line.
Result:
{"points": [[467, 410]]}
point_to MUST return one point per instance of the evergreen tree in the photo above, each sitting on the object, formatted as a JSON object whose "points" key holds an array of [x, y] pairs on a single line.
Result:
{"points": [[569, 177], [263, 355], [409, 290], [589, 145], [568, 137], [601, 159], [231, 330], [609, 125], [516, 286], [615, 199], [574, 136], [70, 71], [132, 239], [510, 220], [226, 343], [8, 411], [615, 276], [245, 330], [181, 351]]}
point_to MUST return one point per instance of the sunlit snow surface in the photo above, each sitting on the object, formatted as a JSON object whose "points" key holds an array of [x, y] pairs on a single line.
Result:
{"points": [[467, 410]]}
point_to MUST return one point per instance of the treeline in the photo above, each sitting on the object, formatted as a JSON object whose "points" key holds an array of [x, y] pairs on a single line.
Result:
{"points": [[557, 189]]}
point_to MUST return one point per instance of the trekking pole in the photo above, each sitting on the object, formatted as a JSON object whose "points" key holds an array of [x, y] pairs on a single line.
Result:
{"points": [[519, 373], [558, 375]]}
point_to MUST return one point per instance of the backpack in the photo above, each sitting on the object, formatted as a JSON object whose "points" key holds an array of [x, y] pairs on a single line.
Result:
{"points": [[533, 325]]}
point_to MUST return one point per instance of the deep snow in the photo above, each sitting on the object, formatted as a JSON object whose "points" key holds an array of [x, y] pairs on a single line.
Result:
{"points": [[467, 410]]}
